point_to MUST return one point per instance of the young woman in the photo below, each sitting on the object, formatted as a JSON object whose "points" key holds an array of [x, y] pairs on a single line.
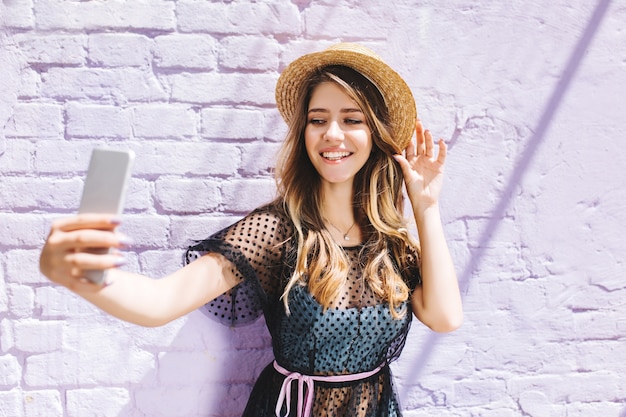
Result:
{"points": [[330, 263]]}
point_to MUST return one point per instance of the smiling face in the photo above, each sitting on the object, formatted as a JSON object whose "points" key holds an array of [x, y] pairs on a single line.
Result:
{"points": [[337, 138]]}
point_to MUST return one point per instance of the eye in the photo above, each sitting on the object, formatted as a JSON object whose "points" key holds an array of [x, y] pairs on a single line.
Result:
{"points": [[316, 121], [353, 121]]}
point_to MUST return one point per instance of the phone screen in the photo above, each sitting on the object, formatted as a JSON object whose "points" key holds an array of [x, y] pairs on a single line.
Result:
{"points": [[106, 182], [104, 190]]}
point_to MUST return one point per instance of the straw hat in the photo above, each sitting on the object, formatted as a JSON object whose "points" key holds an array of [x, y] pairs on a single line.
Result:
{"points": [[395, 91]]}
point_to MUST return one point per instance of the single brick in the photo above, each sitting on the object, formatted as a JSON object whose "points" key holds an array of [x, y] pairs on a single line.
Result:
{"points": [[22, 229], [476, 392], [119, 50], [259, 158], [43, 403], [6, 334], [235, 18], [62, 15], [53, 49], [256, 191], [187, 195], [138, 196], [4, 299], [535, 403], [249, 53], [160, 263], [30, 83], [68, 367], [11, 403], [226, 123], [55, 302], [36, 336], [17, 156], [594, 409], [581, 387], [147, 231], [186, 158], [209, 88], [119, 84], [296, 48], [598, 324], [595, 355], [274, 127], [49, 193], [98, 121], [63, 157], [22, 267], [164, 121], [18, 14], [186, 51], [10, 372], [35, 120], [186, 229], [21, 300], [319, 18]]}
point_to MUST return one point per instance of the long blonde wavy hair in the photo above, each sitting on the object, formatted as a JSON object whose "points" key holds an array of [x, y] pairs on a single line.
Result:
{"points": [[377, 202]]}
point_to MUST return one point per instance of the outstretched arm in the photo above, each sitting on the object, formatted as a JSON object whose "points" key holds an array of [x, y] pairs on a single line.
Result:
{"points": [[130, 297], [437, 302]]}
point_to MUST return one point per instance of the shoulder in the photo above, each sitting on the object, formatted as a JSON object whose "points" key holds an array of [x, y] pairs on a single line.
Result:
{"points": [[271, 217]]}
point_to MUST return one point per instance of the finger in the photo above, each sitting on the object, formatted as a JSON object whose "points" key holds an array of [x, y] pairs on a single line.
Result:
{"points": [[410, 150], [80, 240], [87, 221], [405, 166], [443, 152], [419, 134], [428, 144], [82, 261]]}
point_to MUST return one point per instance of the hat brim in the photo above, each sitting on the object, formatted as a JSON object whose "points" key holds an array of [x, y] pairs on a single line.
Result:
{"points": [[394, 90]]}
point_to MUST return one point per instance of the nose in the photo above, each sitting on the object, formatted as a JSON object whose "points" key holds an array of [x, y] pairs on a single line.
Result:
{"points": [[333, 132]]}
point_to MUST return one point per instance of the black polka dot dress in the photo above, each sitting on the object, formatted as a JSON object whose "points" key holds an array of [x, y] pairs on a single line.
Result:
{"points": [[356, 334]]}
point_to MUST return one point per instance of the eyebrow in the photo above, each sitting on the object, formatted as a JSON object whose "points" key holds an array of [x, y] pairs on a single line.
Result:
{"points": [[346, 110]]}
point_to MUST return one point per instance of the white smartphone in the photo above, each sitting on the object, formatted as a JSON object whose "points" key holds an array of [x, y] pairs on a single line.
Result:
{"points": [[105, 189]]}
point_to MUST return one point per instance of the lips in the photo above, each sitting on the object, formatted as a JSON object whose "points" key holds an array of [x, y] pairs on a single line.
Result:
{"points": [[335, 156]]}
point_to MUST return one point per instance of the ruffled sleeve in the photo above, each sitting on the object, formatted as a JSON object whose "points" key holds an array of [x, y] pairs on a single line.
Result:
{"points": [[255, 246]]}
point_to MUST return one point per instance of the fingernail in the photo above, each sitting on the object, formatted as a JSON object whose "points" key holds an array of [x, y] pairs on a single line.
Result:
{"points": [[125, 241], [119, 262], [115, 220]]}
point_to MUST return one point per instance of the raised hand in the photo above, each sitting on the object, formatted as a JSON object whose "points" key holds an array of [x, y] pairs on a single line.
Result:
{"points": [[422, 170]]}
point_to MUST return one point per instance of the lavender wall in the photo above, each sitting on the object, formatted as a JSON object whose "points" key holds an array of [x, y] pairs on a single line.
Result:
{"points": [[528, 94]]}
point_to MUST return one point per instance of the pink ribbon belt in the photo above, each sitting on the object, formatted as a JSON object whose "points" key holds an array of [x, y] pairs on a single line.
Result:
{"points": [[305, 401]]}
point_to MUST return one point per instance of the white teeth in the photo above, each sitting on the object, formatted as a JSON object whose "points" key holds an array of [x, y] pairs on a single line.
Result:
{"points": [[335, 156]]}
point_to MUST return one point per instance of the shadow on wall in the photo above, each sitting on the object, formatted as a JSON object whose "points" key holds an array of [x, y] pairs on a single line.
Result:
{"points": [[192, 367], [208, 370]]}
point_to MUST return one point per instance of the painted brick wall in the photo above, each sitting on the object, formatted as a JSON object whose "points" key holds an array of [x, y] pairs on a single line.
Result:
{"points": [[534, 205]]}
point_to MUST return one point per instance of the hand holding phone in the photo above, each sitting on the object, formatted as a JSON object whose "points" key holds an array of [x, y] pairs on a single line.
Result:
{"points": [[105, 189]]}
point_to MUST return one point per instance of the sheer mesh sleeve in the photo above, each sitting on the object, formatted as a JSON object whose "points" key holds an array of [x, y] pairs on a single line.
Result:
{"points": [[255, 247]]}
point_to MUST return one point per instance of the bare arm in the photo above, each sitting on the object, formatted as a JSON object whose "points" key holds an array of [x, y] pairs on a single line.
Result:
{"points": [[437, 303], [154, 302], [130, 297]]}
